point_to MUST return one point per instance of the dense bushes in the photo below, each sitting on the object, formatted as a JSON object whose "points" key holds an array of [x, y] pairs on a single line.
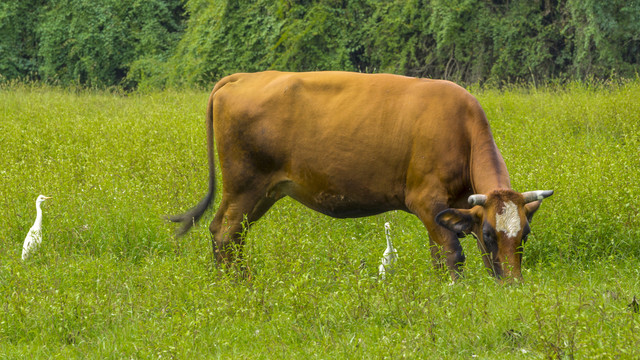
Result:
{"points": [[93, 43], [18, 39], [195, 42]]}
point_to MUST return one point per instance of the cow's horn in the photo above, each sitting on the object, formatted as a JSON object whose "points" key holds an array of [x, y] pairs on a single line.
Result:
{"points": [[477, 199], [530, 196]]}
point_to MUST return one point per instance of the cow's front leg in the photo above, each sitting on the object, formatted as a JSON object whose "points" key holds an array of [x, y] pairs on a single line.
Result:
{"points": [[445, 245], [445, 249]]}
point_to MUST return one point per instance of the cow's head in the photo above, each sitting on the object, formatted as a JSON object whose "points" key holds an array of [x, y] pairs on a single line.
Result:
{"points": [[500, 222]]}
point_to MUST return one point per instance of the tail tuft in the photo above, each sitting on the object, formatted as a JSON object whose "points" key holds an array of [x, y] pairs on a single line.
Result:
{"points": [[192, 216]]}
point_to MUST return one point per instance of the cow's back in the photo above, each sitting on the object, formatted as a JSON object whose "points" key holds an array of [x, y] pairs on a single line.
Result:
{"points": [[346, 144]]}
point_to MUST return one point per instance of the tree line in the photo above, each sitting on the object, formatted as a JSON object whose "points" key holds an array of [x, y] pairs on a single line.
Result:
{"points": [[157, 43]]}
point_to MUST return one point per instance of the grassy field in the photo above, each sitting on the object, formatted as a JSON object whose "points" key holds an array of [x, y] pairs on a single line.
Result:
{"points": [[110, 280]]}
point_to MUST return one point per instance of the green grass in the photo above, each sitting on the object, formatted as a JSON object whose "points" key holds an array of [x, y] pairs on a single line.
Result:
{"points": [[110, 281]]}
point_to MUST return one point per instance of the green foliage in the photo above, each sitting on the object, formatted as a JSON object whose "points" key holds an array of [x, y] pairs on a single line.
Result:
{"points": [[225, 37], [222, 38], [394, 38], [323, 35], [155, 43], [96, 44], [18, 38], [472, 41], [606, 36]]}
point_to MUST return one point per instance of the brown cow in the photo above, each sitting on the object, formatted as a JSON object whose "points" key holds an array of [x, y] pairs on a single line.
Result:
{"points": [[352, 145]]}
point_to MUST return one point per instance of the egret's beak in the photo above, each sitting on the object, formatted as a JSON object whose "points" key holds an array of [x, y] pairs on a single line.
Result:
{"points": [[47, 197]]}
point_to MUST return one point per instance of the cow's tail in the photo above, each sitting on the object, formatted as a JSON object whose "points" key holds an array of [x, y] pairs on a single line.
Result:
{"points": [[189, 218]]}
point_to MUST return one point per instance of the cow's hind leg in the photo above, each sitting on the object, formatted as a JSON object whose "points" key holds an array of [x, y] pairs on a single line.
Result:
{"points": [[232, 220]]}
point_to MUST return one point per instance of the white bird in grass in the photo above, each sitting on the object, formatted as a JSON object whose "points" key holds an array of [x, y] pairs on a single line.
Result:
{"points": [[390, 254], [34, 237]]}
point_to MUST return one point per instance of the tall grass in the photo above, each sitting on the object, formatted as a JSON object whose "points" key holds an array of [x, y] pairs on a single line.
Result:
{"points": [[582, 141], [110, 281]]}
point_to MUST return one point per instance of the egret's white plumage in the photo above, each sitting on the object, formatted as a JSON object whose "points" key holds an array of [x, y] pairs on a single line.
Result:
{"points": [[390, 254], [34, 237]]}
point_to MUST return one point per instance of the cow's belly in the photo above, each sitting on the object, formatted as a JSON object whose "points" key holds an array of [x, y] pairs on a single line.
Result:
{"points": [[358, 201]]}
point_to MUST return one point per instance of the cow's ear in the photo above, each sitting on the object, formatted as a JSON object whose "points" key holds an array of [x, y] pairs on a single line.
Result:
{"points": [[531, 209], [460, 221]]}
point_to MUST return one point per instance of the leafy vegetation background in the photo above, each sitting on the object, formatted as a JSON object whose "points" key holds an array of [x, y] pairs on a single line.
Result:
{"points": [[157, 43]]}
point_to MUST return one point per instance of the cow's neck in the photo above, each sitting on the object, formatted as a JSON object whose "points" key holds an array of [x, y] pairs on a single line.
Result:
{"points": [[488, 170]]}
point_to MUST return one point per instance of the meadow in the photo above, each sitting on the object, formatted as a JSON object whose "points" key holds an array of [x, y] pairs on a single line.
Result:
{"points": [[111, 281]]}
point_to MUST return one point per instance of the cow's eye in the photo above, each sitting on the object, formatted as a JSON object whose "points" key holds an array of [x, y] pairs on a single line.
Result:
{"points": [[488, 232], [489, 237]]}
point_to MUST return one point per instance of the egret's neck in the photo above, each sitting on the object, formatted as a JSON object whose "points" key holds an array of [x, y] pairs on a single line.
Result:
{"points": [[38, 215]]}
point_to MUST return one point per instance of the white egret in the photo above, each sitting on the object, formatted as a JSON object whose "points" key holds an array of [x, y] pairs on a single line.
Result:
{"points": [[390, 254], [34, 237]]}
